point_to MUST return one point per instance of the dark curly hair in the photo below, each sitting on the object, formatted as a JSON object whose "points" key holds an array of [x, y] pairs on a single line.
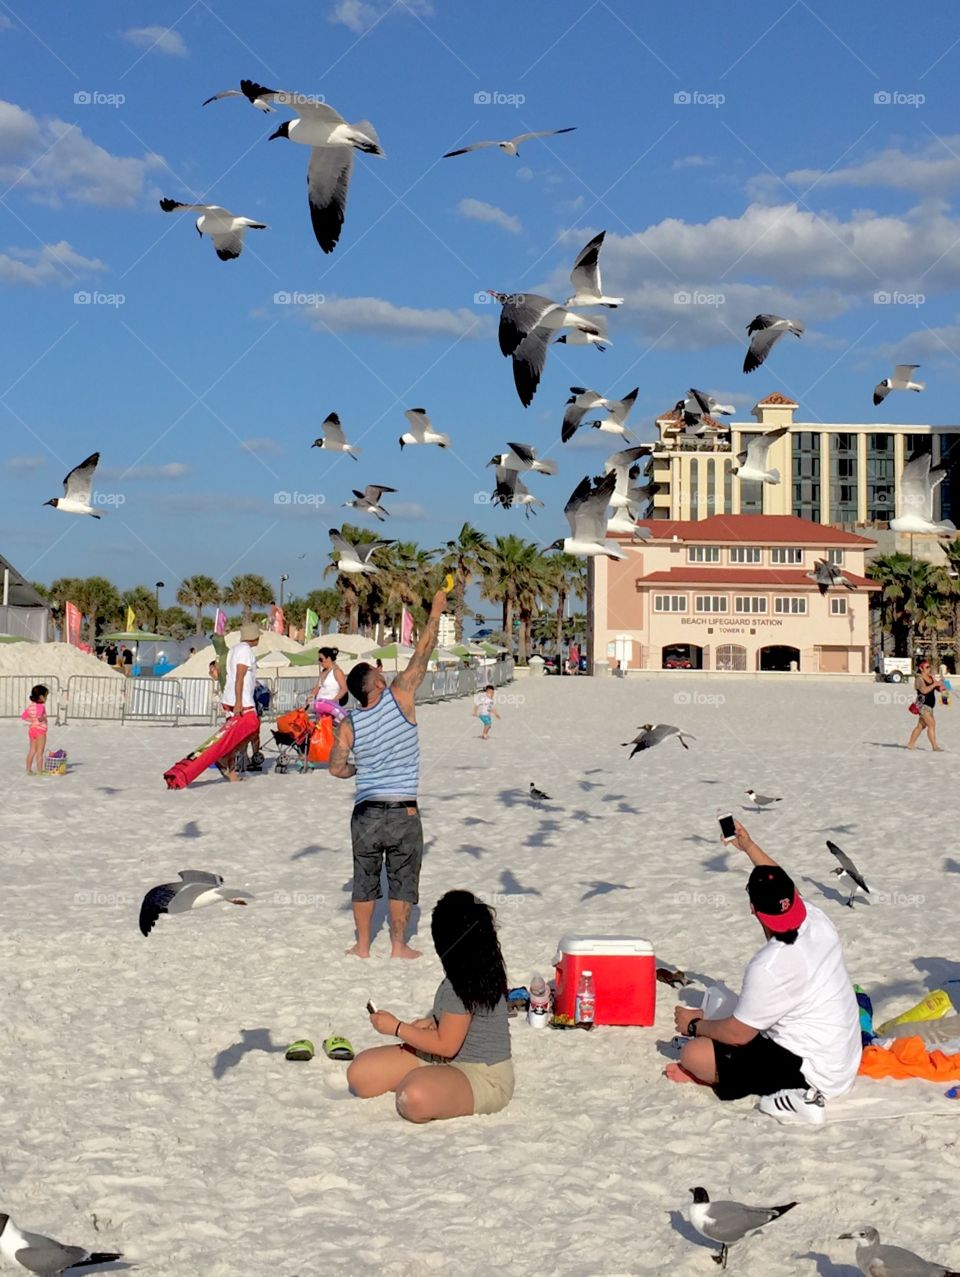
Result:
{"points": [[465, 938]]}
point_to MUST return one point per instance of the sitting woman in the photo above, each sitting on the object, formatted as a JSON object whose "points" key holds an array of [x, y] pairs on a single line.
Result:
{"points": [[329, 695], [456, 1061]]}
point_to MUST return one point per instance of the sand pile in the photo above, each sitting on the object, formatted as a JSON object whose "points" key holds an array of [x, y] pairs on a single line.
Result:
{"points": [[45, 660], [197, 666]]}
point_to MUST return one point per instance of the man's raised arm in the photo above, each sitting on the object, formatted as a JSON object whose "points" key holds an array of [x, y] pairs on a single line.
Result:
{"points": [[409, 679]]}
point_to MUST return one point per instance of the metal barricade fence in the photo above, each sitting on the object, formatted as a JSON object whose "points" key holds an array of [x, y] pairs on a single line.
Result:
{"points": [[94, 696], [197, 698], [287, 694], [156, 699], [15, 692]]}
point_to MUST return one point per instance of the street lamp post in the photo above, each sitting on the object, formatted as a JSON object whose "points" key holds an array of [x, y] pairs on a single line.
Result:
{"points": [[158, 587], [283, 578]]}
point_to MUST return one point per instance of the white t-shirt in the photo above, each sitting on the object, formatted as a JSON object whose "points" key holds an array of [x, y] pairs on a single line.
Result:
{"points": [[242, 654], [483, 702], [801, 996]]}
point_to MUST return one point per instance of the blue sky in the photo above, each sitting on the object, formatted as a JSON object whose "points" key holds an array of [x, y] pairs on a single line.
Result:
{"points": [[815, 165]]}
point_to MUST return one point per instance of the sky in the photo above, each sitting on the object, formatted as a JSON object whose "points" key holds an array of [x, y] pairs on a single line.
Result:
{"points": [[776, 156]]}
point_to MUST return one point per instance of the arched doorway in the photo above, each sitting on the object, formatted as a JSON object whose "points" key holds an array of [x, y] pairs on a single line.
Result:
{"points": [[779, 658], [731, 656], [682, 656]]}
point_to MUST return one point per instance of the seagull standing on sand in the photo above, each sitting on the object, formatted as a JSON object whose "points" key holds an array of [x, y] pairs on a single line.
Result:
{"points": [[195, 890], [509, 147], [828, 574], [876, 1260], [224, 228], [650, 735], [586, 513], [421, 431], [902, 379], [368, 501], [918, 483], [522, 456], [765, 331], [581, 402], [34, 1253], [849, 870], [618, 410], [78, 489], [600, 339], [355, 559], [538, 795], [333, 439], [727, 1222], [527, 322], [585, 278], [511, 491], [752, 463], [332, 142], [760, 800]]}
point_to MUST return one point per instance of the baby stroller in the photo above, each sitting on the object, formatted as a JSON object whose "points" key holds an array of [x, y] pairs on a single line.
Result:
{"points": [[292, 739]]}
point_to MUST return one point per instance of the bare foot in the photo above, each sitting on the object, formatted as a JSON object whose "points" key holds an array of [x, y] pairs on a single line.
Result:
{"points": [[404, 951], [677, 1073], [359, 951], [938, 749]]}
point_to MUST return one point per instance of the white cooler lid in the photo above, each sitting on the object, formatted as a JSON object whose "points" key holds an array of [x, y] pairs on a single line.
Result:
{"points": [[605, 946]]}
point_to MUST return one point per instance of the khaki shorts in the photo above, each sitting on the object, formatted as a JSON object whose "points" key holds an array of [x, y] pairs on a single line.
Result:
{"points": [[491, 1084]]}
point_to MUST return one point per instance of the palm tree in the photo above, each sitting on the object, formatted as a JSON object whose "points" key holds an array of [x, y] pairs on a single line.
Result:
{"points": [[465, 557], [930, 607], [509, 567], [248, 591], [58, 595], [199, 592], [952, 583], [327, 605], [143, 602], [295, 612], [893, 573], [97, 599], [404, 583], [568, 577], [175, 621], [535, 586]]}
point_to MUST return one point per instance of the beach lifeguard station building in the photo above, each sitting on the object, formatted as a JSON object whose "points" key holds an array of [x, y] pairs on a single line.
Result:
{"points": [[730, 593]]}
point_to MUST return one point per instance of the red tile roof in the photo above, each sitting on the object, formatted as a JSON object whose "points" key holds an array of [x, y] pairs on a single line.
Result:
{"points": [[753, 529], [777, 398], [673, 415], [774, 578]]}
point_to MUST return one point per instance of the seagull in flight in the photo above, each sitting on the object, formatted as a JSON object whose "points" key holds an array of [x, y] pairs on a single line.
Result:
{"points": [[698, 404], [238, 93], [421, 431], [224, 228], [599, 339], [586, 512], [625, 464], [585, 278], [727, 1222], [828, 574], [195, 890], [765, 331], [752, 463], [333, 438], [511, 491], [34, 1253], [527, 322], [581, 402], [618, 410], [522, 456], [902, 379], [877, 1260], [355, 558], [332, 143], [847, 869], [509, 147], [650, 735], [78, 489], [918, 483], [368, 501]]}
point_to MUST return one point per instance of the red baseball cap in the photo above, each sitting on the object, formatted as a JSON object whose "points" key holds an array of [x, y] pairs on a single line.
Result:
{"points": [[775, 899]]}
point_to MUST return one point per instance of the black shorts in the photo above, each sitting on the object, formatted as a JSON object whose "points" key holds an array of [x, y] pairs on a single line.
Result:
{"points": [[759, 1068], [386, 834]]}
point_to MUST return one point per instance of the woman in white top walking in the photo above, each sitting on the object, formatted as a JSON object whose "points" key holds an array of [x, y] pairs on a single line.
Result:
{"points": [[331, 686]]}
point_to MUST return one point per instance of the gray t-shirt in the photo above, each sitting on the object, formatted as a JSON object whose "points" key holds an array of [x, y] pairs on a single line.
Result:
{"points": [[488, 1037]]}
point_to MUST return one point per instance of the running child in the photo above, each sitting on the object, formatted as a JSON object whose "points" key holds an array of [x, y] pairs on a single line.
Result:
{"points": [[36, 716], [484, 708]]}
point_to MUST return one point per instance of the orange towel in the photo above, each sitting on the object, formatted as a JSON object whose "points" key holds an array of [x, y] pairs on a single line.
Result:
{"points": [[909, 1057]]}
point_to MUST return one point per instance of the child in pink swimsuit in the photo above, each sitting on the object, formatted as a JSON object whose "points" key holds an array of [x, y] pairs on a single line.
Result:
{"points": [[36, 715]]}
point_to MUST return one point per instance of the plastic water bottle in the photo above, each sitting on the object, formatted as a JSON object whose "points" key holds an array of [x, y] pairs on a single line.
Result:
{"points": [[539, 1011], [586, 1000]]}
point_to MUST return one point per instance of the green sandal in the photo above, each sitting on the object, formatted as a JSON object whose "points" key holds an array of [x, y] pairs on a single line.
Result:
{"points": [[337, 1048], [302, 1050]]}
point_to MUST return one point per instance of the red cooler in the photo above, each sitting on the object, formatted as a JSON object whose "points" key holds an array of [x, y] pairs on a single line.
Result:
{"points": [[624, 977]]}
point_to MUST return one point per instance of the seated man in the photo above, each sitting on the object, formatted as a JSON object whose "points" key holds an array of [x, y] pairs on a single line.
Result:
{"points": [[794, 1037]]}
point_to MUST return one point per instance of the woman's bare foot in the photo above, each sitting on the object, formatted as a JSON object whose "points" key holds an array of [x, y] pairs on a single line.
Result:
{"points": [[677, 1073], [359, 951], [404, 951]]}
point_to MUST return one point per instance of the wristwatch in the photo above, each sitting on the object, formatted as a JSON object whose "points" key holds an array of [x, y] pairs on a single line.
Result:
{"points": [[692, 1027]]}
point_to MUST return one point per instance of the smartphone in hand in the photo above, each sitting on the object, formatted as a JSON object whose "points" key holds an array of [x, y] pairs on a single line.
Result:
{"points": [[728, 829], [371, 1009]]}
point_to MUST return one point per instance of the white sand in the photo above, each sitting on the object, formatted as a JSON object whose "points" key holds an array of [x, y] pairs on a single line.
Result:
{"points": [[58, 659], [197, 665], [144, 1080]]}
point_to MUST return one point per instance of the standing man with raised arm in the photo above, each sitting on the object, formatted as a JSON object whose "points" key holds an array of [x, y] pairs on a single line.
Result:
{"points": [[385, 826]]}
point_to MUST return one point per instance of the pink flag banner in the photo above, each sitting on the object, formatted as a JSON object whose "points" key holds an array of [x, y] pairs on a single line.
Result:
{"points": [[73, 618], [219, 622], [406, 627]]}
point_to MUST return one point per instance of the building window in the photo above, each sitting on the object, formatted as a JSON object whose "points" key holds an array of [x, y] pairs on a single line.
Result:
{"points": [[835, 556], [838, 607], [790, 605], [669, 603], [843, 478], [746, 554], [751, 497], [694, 487], [710, 603], [731, 656], [703, 554], [727, 487], [805, 465], [948, 490], [881, 477], [786, 556], [751, 603]]}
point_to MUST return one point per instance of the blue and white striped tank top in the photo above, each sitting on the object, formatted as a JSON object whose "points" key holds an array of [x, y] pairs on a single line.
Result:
{"points": [[386, 751]]}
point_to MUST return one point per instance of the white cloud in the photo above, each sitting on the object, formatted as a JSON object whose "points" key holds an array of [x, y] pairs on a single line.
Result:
{"points": [[160, 39], [134, 474], [22, 465], [478, 211], [5, 23], [407, 510], [261, 447], [380, 318], [693, 161], [51, 264], [361, 15], [52, 161], [931, 170]]}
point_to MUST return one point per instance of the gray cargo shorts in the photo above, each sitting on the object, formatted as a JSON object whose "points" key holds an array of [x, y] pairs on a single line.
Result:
{"points": [[392, 834]]}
